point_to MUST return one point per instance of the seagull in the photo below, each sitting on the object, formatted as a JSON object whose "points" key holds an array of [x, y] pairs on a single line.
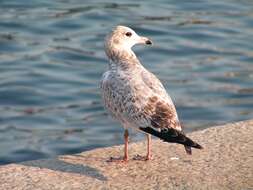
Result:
{"points": [[136, 97]]}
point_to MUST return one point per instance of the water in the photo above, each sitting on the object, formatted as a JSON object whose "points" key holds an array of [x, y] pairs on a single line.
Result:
{"points": [[51, 61]]}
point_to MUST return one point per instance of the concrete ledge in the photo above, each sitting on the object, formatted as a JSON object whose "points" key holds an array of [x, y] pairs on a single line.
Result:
{"points": [[225, 163]]}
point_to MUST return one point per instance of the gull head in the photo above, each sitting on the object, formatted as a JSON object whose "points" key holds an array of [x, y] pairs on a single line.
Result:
{"points": [[120, 41]]}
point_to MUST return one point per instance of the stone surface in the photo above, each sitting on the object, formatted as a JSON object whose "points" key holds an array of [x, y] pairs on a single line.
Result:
{"points": [[226, 162]]}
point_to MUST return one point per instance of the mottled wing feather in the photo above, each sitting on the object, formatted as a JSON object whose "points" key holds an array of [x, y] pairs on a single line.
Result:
{"points": [[160, 108], [161, 114], [154, 84]]}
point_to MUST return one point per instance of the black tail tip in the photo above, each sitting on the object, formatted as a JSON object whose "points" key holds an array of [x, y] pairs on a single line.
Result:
{"points": [[198, 146], [189, 150]]}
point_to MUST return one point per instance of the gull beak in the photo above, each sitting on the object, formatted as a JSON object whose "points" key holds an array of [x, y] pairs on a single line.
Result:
{"points": [[144, 40]]}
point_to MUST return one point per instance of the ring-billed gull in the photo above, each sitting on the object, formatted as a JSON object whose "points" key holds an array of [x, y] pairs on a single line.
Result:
{"points": [[135, 96]]}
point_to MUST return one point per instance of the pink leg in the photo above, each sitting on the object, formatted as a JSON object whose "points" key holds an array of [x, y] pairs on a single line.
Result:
{"points": [[149, 156], [126, 156]]}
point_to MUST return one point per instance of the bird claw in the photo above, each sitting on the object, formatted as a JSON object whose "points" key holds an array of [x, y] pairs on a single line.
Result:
{"points": [[118, 160], [142, 158]]}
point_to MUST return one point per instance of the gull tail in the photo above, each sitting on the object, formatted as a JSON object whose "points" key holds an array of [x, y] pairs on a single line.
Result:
{"points": [[173, 136]]}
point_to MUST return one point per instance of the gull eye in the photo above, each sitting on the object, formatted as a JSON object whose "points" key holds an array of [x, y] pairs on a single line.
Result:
{"points": [[128, 34]]}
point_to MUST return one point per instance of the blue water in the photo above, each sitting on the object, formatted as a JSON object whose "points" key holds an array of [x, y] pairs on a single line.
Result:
{"points": [[52, 58]]}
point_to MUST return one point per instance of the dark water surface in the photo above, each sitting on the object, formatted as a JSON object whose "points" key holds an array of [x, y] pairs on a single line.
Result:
{"points": [[51, 61]]}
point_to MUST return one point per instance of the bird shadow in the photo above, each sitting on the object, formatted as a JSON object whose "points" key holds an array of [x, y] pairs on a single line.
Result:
{"points": [[62, 166]]}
